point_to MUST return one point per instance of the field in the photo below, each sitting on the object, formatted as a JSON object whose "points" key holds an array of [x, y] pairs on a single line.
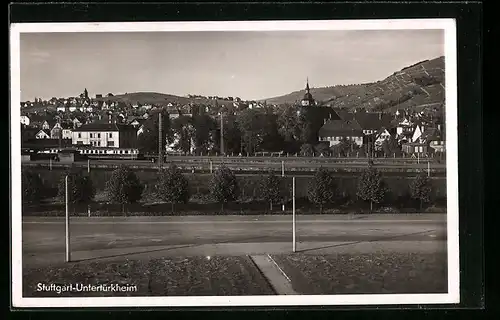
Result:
{"points": [[174, 276], [373, 273]]}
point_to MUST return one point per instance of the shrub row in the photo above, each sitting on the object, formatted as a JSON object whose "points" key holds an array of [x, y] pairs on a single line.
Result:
{"points": [[324, 191]]}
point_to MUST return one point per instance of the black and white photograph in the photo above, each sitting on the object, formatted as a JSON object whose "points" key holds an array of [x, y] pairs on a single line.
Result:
{"points": [[269, 163]]}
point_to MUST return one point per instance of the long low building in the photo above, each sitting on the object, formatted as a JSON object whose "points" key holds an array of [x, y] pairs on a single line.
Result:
{"points": [[112, 135]]}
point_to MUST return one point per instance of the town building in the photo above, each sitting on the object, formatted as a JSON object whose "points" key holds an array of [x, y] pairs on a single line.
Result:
{"points": [[334, 131], [113, 135]]}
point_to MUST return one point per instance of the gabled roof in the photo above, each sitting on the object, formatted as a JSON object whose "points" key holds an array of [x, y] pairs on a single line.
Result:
{"points": [[372, 121], [47, 131], [340, 127], [101, 126], [431, 134]]}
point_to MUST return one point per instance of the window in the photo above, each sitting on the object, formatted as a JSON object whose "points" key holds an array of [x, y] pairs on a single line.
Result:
{"points": [[126, 151], [111, 143], [91, 135], [99, 143], [79, 135], [416, 149], [111, 134], [421, 149], [99, 135]]}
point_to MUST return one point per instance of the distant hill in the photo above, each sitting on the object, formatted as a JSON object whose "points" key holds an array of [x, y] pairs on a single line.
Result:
{"points": [[417, 86], [160, 98]]}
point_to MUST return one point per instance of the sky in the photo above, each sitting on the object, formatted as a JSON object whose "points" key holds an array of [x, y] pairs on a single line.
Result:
{"points": [[251, 65]]}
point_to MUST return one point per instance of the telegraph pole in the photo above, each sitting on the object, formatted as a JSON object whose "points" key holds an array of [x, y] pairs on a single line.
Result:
{"points": [[160, 143], [293, 213], [221, 135], [68, 253]]}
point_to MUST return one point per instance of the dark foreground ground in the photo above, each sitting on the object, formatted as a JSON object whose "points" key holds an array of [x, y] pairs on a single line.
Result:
{"points": [[181, 256], [375, 273]]}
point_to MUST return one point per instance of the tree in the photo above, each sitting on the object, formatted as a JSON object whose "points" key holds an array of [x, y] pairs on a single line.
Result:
{"points": [[124, 187], [224, 186], [85, 93], [250, 128], [288, 123], [322, 149], [322, 188], [371, 186], [420, 189], [204, 127], [184, 133], [147, 141], [80, 186], [33, 187], [271, 188], [306, 149], [173, 186], [390, 147], [344, 147]]}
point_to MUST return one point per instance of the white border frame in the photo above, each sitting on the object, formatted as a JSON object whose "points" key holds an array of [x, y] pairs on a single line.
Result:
{"points": [[453, 295]]}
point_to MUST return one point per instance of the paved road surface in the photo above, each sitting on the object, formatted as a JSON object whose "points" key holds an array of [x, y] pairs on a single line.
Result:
{"points": [[231, 234]]}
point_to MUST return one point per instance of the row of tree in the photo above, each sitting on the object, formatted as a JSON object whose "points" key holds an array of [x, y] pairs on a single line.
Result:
{"points": [[244, 131], [172, 187]]}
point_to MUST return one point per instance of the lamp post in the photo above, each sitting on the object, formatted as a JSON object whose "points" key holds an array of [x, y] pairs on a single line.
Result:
{"points": [[68, 253]]}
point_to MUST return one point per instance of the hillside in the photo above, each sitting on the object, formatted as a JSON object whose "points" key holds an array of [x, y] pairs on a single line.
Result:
{"points": [[418, 86], [160, 98]]}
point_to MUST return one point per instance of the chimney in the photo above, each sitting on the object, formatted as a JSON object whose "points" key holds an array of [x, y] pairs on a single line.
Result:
{"points": [[380, 115]]}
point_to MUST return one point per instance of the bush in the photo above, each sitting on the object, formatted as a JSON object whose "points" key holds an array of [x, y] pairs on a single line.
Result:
{"points": [[224, 186], [173, 187], [123, 187], [33, 187]]}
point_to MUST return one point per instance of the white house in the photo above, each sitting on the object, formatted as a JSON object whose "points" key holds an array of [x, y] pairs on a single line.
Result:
{"points": [[25, 120], [61, 109], [417, 133], [382, 135], [76, 123], [43, 134], [140, 130], [72, 108], [46, 125], [105, 135]]}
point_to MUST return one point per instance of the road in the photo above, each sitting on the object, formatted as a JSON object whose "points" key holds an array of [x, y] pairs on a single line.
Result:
{"points": [[45, 236]]}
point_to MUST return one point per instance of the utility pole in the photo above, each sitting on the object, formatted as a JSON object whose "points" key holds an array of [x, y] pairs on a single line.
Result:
{"points": [[88, 165], [283, 168], [293, 213], [429, 168], [68, 253], [160, 143], [221, 135]]}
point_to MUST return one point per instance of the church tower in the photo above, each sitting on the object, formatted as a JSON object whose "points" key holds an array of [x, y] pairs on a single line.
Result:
{"points": [[308, 100]]}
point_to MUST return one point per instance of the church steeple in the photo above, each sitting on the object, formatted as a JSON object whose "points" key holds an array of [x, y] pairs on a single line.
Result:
{"points": [[308, 100]]}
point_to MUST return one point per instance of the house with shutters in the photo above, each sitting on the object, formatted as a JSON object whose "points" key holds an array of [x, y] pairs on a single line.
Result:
{"points": [[25, 120], [43, 134], [334, 131], [105, 134]]}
